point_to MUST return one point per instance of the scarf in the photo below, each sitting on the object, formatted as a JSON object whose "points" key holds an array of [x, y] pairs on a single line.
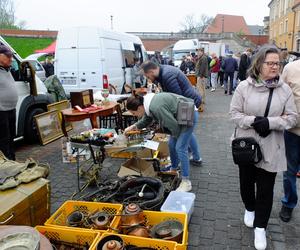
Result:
{"points": [[270, 83]]}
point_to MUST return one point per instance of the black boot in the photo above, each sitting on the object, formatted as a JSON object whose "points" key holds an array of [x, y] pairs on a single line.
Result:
{"points": [[285, 214]]}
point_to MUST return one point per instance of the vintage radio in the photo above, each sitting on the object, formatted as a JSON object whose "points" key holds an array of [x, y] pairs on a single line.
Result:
{"points": [[83, 99]]}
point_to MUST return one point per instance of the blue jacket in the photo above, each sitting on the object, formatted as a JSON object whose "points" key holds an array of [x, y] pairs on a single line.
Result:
{"points": [[173, 80], [230, 65]]}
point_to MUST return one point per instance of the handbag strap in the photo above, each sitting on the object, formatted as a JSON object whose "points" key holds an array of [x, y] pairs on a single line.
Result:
{"points": [[269, 102]]}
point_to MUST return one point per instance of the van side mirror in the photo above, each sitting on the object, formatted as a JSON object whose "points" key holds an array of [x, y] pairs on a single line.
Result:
{"points": [[28, 75]]}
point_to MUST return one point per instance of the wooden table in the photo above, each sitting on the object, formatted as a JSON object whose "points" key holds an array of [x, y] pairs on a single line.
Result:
{"points": [[72, 115]]}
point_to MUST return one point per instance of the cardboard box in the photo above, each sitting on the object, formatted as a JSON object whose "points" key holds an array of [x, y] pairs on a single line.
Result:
{"points": [[163, 148], [137, 166]]}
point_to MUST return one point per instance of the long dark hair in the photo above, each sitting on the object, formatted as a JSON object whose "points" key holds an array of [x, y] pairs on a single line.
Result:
{"points": [[259, 59], [134, 101]]}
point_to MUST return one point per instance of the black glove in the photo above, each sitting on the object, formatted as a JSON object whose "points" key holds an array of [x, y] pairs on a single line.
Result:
{"points": [[261, 126]]}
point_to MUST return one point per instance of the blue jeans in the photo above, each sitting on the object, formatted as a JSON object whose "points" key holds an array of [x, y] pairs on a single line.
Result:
{"points": [[179, 149], [292, 147]]}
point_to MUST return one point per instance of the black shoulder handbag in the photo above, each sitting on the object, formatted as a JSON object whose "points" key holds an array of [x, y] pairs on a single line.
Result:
{"points": [[246, 150]]}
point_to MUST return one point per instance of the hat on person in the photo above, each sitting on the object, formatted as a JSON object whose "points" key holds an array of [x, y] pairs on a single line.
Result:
{"points": [[229, 53], [200, 49], [6, 51]]}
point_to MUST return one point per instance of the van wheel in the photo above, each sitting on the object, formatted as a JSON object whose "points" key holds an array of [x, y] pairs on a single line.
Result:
{"points": [[30, 129]]}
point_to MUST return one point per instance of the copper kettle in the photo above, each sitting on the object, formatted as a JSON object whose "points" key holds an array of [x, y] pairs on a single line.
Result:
{"points": [[132, 216]]}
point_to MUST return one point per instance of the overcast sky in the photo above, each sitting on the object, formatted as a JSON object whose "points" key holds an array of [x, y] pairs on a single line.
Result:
{"points": [[131, 15]]}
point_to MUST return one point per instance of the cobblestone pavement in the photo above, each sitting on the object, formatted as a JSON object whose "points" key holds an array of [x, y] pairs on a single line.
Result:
{"points": [[217, 220]]}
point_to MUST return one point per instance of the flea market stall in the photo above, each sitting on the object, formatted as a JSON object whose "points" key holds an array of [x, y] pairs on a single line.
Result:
{"points": [[138, 209]]}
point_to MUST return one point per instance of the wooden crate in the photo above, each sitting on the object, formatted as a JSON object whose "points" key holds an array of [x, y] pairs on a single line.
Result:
{"points": [[27, 204]]}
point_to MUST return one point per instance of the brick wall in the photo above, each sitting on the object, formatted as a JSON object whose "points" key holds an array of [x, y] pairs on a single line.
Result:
{"points": [[256, 39], [29, 33]]}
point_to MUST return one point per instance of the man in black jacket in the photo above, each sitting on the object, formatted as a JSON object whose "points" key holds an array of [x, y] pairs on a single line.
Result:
{"points": [[244, 64]]}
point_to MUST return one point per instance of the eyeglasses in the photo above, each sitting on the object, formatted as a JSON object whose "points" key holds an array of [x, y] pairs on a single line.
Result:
{"points": [[272, 64]]}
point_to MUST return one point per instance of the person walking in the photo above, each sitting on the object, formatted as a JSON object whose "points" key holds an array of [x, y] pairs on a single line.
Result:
{"points": [[49, 67], [214, 68], [262, 107], [221, 71], [163, 108], [137, 75], [8, 102], [201, 71], [230, 66], [172, 80], [291, 76], [244, 65]]}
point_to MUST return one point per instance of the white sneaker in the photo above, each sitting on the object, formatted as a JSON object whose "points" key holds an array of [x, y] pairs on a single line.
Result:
{"points": [[212, 90], [260, 241], [185, 186], [249, 218]]}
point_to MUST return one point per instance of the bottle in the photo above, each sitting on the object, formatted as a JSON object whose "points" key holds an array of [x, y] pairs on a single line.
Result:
{"points": [[121, 138]]}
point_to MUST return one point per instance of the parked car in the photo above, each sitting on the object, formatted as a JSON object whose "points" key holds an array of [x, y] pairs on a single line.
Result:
{"points": [[28, 105], [85, 57]]}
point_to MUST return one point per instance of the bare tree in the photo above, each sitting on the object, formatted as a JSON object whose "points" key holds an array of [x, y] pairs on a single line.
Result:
{"points": [[7, 16], [193, 25]]}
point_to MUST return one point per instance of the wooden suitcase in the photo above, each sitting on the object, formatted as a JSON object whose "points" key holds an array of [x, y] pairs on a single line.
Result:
{"points": [[27, 204]]}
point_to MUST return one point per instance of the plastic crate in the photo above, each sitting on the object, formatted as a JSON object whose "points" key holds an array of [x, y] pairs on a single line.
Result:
{"points": [[179, 202], [153, 218], [139, 242], [69, 235], [59, 218]]}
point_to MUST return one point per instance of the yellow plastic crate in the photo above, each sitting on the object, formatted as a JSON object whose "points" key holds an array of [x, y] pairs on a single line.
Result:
{"points": [[153, 218], [59, 218], [139, 242], [69, 235]]}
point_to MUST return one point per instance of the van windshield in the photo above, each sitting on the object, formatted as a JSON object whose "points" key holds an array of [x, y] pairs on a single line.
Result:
{"points": [[179, 55]]}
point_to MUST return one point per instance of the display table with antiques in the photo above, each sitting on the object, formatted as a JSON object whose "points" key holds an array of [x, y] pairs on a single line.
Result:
{"points": [[135, 209], [74, 115]]}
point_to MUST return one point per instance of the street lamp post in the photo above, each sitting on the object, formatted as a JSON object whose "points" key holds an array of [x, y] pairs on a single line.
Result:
{"points": [[111, 22], [222, 24]]}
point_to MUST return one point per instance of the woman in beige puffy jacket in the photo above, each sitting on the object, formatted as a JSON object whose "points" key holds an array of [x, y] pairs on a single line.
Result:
{"points": [[247, 110]]}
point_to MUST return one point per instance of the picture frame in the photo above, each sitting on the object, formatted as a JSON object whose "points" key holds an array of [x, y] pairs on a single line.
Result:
{"points": [[49, 126], [59, 106]]}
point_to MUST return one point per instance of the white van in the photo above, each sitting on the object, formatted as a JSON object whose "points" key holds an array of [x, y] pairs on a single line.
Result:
{"points": [[184, 48], [28, 105], [87, 56], [189, 46]]}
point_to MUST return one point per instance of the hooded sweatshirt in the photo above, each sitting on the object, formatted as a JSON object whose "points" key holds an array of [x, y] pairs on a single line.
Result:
{"points": [[8, 91], [250, 100]]}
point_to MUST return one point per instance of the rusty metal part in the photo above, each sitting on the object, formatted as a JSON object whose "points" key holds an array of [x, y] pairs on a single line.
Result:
{"points": [[139, 231], [101, 220], [173, 230], [75, 219], [112, 242]]}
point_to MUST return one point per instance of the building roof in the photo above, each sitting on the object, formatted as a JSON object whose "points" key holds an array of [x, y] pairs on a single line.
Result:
{"points": [[231, 23], [256, 29]]}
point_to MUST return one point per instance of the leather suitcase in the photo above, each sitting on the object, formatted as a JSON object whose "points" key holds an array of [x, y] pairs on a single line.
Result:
{"points": [[27, 204]]}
